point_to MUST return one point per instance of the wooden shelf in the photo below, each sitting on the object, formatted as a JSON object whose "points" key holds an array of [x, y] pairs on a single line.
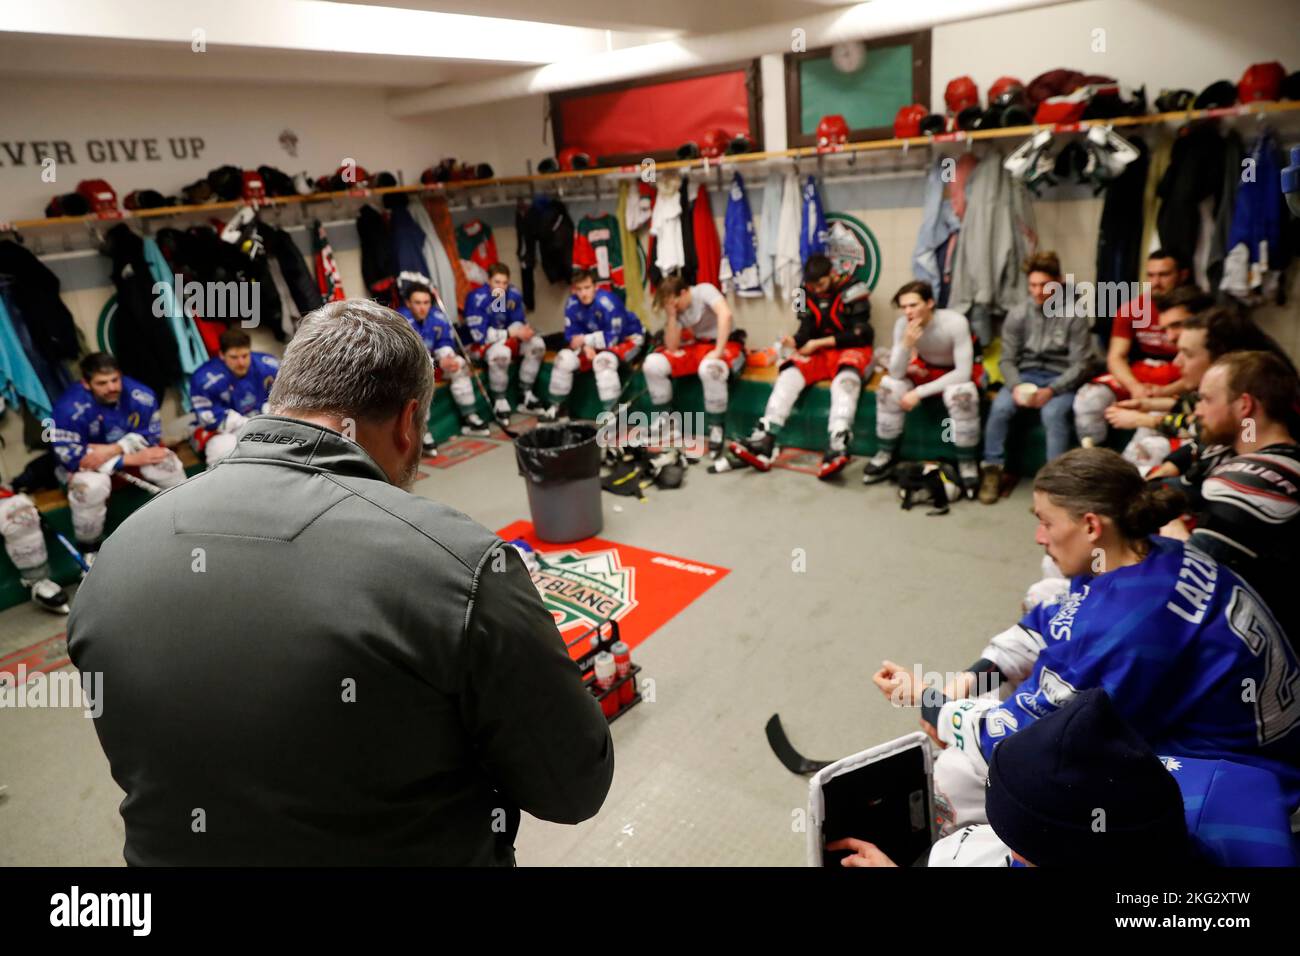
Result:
{"points": [[620, 172]]}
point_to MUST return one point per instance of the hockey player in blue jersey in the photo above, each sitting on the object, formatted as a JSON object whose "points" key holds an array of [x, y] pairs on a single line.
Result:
{"points": [[226, 391], [1188, 652], [498, 326], [602, 335], [449, 362], [104, 423]]}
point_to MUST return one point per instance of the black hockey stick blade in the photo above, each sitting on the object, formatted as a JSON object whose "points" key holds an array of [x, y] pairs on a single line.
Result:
{"points": [[794, 761]]}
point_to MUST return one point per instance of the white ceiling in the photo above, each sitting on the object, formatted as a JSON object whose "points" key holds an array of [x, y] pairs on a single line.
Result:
{"points": [[148, 40]]}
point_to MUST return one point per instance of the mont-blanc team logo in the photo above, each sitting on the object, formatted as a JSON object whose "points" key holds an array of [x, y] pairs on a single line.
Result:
{"points": [[581, 590], [852, 248]]}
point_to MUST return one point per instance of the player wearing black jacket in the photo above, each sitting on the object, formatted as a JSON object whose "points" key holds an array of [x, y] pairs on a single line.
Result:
{"points": [[833, 342]]}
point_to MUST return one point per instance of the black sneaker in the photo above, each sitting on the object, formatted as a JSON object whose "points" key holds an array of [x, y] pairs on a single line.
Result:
{"points": [[836, 457], [757, 450], [879, 467], [430, 445], [48, 595], [472, 424], [549, 415]]}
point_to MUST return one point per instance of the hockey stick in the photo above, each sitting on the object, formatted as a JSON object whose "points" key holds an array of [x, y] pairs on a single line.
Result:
{"points": [[473, 374], [67, 545], [790, 758]]}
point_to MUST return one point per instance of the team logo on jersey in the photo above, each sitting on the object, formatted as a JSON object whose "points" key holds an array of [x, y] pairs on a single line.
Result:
{"points": [[141, 396], [1171, 763], [581, 590], [1052, 694]]}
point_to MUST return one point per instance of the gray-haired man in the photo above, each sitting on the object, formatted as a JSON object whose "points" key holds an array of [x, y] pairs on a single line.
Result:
{"points": [[386, 688]]}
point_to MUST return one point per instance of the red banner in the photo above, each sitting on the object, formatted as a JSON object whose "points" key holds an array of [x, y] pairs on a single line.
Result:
{"points": [[656, 117]]}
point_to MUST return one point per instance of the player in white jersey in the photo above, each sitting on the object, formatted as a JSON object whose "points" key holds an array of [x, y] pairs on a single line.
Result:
{"points": [[933, 355], [699, 338]]}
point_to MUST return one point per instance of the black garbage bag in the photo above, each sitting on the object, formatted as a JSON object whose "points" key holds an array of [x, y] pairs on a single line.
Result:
{"points": [[551, 454]]}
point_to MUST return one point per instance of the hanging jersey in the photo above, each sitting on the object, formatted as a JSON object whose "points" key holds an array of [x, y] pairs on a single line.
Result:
{"points": [[1175, 640], [740, 244], [80, 420], [477, 249], [328, 280], [596, 246], [604, 323], [215, 391], [435, 331], [812, 236], [489, 316]]}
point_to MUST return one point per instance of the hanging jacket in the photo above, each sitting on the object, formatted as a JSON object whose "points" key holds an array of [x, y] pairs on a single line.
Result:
{"points": [[789, 265], [328, 281], [409, 244], [477, 249], [692, 263], [525, 252], [666, 228], [1195, 173], [190, 348], [812, 232], [18, 379], [1119, 233], [444, 232], [142, 342], [938, 223], [1234, 150], [739, 271], [442, 269], [769, 230], [53, 376], [34, 293], [297, 275], [376, 256], [996, 234], [708, 250], [551, 228], [633, 264], [1250, 272]]}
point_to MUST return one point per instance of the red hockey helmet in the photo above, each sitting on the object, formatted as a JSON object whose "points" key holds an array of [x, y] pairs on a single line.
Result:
{"points": [[961, 93], [714, 143], [1009, 85], [572, 157], [253, 188], [1261, 81], [833, 130], [908, 121], [99, 195]]}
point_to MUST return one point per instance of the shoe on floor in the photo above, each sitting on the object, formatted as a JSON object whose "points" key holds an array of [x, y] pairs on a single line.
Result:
{"points": [[716, 437], [430, 445], [836, 457], [990, 484], [879, 467], [549, 415], [48, 595], [757, 450], [472, 424]]}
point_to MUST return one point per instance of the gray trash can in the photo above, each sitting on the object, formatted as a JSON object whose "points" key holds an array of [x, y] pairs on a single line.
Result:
{"points": [[561, 468]]}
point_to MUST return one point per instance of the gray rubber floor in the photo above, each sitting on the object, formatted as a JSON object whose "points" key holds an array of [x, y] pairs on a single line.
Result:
{"points": [[695, 782]]}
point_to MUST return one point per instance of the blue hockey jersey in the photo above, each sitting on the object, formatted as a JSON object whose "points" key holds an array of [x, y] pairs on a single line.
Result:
{"points": [[80, 420], [214, 390], [489, 317], [1237, 813], [739, 243], [1190, 655], [606, 317], [812, 237], [435, 330]]}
